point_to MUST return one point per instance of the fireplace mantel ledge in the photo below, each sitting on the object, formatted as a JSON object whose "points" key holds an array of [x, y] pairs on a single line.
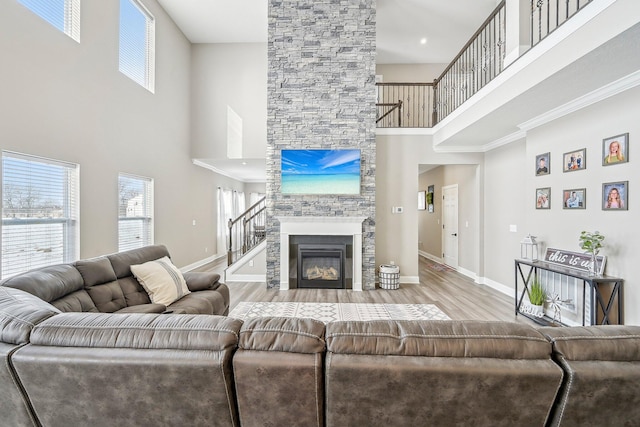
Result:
{"points": [[322, 219]]}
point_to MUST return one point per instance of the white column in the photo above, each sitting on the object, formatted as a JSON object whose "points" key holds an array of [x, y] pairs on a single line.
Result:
{"points": [[284, 261], [518, 31], [357, 263]]}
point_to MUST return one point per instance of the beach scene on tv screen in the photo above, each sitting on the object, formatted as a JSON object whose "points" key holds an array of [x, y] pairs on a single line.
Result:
{"points": [[320, 172]]}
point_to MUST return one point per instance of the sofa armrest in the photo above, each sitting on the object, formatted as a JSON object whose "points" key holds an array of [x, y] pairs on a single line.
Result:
{"points": [[200, 281]]}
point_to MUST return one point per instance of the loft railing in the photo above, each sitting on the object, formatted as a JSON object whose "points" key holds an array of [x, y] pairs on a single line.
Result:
{"points": [[404, 105], [547, 15], [479, 62], [247, 231]]}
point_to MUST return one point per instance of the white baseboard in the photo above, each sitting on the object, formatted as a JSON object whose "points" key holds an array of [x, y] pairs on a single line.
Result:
{"points": [[202, 262], [497, 286], [470, 274], [409, 279], [431, 257], [261, 278]]}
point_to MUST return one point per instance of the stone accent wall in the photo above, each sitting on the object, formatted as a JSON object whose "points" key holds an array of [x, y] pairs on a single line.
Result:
{"points": [[321, 94]]}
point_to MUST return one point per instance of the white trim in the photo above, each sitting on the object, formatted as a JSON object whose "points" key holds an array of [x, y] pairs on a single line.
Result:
{"points": [[201, 263], [508, 139], [431, 257], [614, 88], [410, 280], [503, 289], [470, 274], [260, 278], [223, 173]]}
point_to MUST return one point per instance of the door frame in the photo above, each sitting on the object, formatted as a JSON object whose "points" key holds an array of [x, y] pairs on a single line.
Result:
{"points": [[443, 237]]}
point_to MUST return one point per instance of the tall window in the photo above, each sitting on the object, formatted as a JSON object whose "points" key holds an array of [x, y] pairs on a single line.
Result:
{"points": [[137, 43], [62, 14], [39, 212], [135, 212]]}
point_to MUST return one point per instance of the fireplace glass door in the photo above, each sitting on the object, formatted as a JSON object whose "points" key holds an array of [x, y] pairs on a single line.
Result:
{"points": [[321, 266]]}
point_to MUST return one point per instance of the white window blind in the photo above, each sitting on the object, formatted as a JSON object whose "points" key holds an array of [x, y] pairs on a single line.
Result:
{"points": [[62, 14], [135, 212], [137, 43], [39, 212]]}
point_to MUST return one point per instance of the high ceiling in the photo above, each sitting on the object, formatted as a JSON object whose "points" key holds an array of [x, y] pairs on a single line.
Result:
{"points": [[402, 24]]}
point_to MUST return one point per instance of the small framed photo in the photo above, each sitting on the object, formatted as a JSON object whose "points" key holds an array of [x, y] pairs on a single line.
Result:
{"points": [[543, 198], [575, 198], [615, 196], [575, 160], [422, 200], [543, 164], [615, 150]]}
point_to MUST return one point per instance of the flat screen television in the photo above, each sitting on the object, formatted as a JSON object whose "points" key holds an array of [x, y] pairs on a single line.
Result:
{"points": [[320, 171]]}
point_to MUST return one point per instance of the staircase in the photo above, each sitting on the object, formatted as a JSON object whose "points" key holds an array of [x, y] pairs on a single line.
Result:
{"points": [[246, 231]]}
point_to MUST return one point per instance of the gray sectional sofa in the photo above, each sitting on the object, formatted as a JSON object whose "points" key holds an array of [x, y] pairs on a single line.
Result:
{"points": [[82, 345], [140, 369], [106, 285]]}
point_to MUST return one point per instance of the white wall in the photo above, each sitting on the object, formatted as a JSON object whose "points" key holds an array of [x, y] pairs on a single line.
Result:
{"points": [[232, 75], [414, 73], [66, 100]]}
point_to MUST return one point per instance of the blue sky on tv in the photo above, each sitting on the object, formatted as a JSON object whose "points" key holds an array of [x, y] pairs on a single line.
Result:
{"points": [[316, 162]]}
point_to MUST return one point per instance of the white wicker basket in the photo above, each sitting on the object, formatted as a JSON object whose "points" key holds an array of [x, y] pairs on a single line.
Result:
{"points": [[389, 276]]}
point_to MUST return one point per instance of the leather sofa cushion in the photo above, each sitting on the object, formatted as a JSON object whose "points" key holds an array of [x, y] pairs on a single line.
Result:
{"points": [[292, 335], [19, 313], [95, 271], [76, 301], [143, 308], [48, 283], [121, 262], [606, 343], [503, 340], [201, 302], [138, 331]]}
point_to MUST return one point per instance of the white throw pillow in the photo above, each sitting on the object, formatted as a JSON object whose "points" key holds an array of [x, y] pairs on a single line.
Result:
{"points": [[162, 280]]}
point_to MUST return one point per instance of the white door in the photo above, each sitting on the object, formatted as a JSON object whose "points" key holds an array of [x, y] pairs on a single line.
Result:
{"points": [[450, 225]]}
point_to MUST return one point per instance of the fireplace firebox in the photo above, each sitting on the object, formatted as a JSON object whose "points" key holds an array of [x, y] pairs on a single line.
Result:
{"points": [[321, 266]]}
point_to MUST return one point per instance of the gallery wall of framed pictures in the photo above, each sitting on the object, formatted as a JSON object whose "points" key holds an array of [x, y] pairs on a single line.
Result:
{"points": [[614, 195]]}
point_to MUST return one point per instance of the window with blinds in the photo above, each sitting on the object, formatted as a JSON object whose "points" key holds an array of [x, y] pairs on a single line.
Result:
{"points": [[39, 212], [62, 14], [137, 43], [135, 212]]}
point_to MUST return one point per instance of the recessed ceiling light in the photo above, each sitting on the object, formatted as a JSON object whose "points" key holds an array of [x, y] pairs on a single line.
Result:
{"points": [[423, 40], [244, 163]]}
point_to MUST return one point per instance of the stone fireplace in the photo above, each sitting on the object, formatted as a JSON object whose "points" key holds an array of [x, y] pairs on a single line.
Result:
{"points": [[321, 95]]}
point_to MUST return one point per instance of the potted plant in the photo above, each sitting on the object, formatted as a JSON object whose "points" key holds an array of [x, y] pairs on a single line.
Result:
{"points": [[537, 298], [591, 243]]}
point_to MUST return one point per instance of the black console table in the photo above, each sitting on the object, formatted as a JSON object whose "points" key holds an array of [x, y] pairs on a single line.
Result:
{"points": [[605, 309]]}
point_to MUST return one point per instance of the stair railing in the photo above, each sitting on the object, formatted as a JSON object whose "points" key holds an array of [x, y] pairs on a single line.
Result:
{"points": [[246, 231], [548, 15]]}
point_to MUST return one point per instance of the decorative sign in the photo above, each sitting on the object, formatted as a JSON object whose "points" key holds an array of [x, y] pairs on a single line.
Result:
{"points": [[575, 260]]}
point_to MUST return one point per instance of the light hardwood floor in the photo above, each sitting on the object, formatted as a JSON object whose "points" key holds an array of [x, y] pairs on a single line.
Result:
{"points": [[455, 294]]}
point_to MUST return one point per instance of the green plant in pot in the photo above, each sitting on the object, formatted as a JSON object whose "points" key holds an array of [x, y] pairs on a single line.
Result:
{"points": [[537, 297], [591, 243]]}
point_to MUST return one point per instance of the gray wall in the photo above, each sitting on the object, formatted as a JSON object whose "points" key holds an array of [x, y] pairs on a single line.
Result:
{"points": [[397, 235], [232, 75], [430, 223], [66, 100], [321, 94]]}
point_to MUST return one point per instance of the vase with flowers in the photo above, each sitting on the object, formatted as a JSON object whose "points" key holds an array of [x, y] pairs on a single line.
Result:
{"points": [[591, 243]]}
